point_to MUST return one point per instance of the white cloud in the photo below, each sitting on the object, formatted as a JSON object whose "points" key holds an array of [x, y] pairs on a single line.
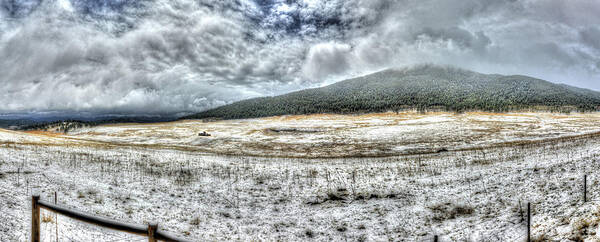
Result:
{"points": [[326, 59], [66, 5], [173, 56]]}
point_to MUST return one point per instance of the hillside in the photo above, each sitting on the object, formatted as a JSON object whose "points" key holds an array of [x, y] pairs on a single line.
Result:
{"points": [[64, 125], [424, 87]]}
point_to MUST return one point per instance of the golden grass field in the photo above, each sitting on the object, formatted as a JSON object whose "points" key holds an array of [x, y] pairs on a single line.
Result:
{"points": [[329, 135]]}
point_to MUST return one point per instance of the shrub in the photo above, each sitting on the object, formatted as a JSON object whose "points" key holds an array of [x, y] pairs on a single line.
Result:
{"points": [[447, 210]]}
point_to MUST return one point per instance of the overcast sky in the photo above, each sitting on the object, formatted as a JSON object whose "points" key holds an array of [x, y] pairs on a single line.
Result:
{"points": [[174, 56]]}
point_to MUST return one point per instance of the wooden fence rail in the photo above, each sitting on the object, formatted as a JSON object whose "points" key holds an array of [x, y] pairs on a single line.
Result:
{"points": [[151, 230]]}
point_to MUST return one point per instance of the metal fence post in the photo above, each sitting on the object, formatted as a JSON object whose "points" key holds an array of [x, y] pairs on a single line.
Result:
{"points": [[56, 215], [585, 188], [35, 218], [528, 222]]}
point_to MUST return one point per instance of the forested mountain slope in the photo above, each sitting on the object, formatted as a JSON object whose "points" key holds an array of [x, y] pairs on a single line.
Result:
{"points": [[423, 87]]}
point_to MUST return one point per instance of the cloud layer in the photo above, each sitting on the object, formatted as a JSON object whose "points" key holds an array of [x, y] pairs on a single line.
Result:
{"points": [[170, 57]]}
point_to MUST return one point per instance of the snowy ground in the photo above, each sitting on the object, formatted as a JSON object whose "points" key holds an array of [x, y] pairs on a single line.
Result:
{"points": [[472, 194], [317, 136]]}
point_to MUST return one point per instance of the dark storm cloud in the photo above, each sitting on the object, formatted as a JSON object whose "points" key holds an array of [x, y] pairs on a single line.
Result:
{"points": [[174, 56], [590, 37], [15, 8]]}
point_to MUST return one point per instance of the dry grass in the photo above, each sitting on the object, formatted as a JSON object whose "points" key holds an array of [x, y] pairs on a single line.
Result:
{"points": [[447, 210], [44, 133], [47, 218], [341, 136]]}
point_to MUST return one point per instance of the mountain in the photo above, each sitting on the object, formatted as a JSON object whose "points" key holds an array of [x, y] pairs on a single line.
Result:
{"points": [[425, 87], [65, 124], [15, 123]]}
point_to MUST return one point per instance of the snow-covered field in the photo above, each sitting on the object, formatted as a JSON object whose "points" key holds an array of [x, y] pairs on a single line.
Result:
{"points": [[317, 136], [467, 193]]}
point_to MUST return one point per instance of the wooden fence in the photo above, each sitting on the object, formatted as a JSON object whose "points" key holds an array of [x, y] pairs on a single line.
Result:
{"points": [[151, 230]]}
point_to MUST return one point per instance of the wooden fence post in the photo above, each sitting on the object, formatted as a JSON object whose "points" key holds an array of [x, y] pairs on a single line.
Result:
{"points": [[584, 188], [152, 227], [35, 218], [528, 222]]}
